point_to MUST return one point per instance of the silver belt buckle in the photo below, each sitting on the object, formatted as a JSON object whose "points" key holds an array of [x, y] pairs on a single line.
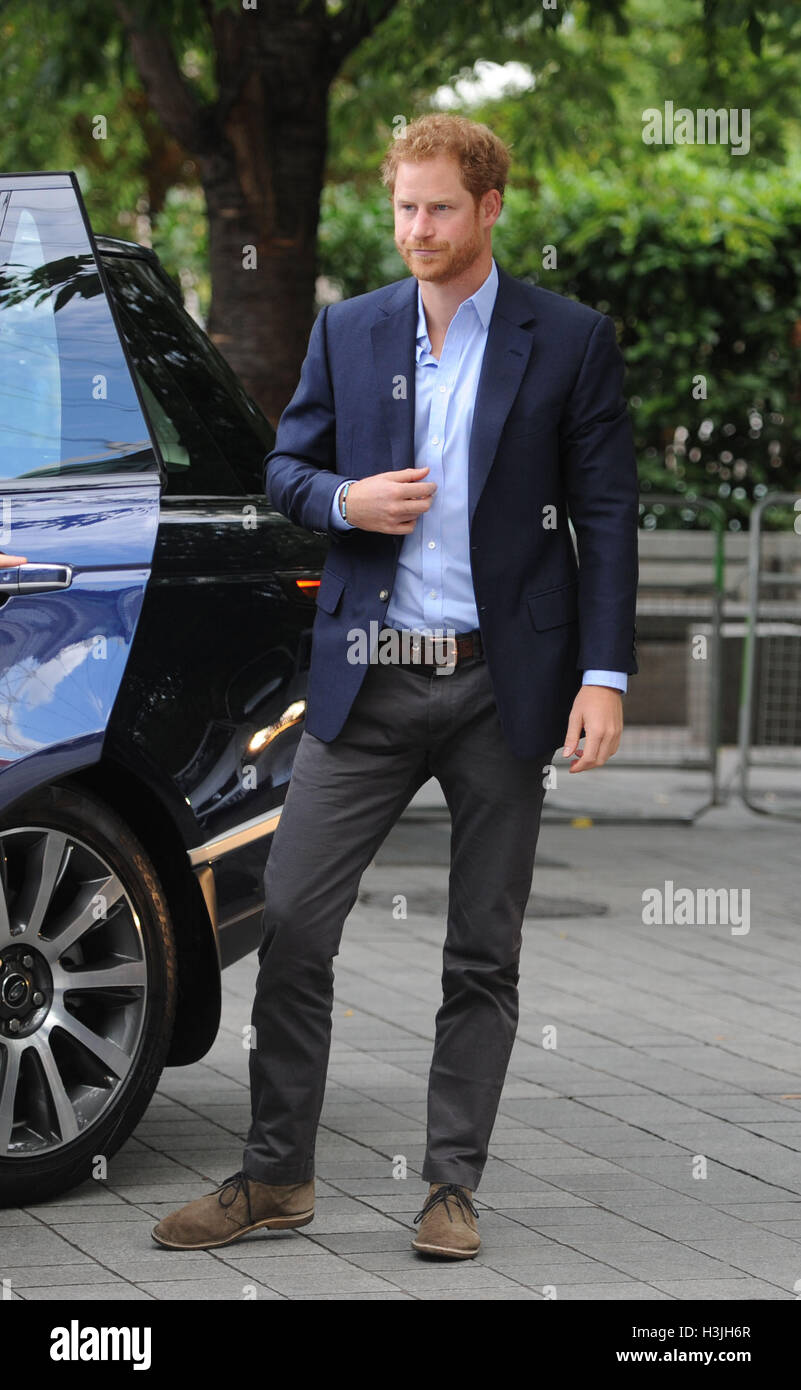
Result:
{"points": [[445, 652], [416, 647]]}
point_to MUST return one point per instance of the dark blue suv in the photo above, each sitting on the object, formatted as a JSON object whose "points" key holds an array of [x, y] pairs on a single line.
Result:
{"points": [[154, 647]]}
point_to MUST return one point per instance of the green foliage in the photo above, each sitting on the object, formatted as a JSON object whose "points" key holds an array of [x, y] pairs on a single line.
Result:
{"points": [[696, 254], [356, 251], [699, 266], [589, 78]]}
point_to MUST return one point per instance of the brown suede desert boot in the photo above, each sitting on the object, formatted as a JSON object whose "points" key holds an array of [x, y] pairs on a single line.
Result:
{"points": [[448, 1223], [239, 1205]]}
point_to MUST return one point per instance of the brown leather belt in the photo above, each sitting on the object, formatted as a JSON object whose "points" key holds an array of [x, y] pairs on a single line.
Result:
{"points": [[446, 651]]}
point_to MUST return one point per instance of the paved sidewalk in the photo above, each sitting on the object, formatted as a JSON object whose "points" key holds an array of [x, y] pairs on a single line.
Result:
{"points": [[648, 1139]]}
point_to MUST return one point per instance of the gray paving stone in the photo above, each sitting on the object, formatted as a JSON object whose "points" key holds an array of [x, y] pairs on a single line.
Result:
{"points": [[759, 1212], [591, 1292], [151, 1168], [394, 1295], [436, 1275], [111, 1213], [728, 1290], [268, 1244], [513, 1201], [231, 1289], [677, 1262], [45, 1276], [36, 1245], [561, 1268], [379, 1260], [376, 1189], [229, 1116], [184, 1267], [365, 1220], [122, 1250], [791, 1229], [334, 1169], [115, 1289], [399, 1239], [168, 1126], [96, 1193], [340, 1278], [499, 1230], [588, 1219], [221, 1144], [568, 1162], [168, 1194], [588, 1184], [264, 1266]]}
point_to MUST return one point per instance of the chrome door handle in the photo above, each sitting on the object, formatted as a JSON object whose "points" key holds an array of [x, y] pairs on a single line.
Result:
{"points": [[34, 579]]}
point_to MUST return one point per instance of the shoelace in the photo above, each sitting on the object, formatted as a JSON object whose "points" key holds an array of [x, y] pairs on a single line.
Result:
{"points": [[449, 1189], [238, 1182]]}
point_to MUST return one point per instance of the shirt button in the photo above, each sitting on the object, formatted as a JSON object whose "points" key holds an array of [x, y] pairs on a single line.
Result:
{"points": [[435, 440], [383, 593], [432, 545], [433, 593], [443, 388]]}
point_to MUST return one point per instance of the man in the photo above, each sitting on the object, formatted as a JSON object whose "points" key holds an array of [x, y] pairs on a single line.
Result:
{"points": [[444, 430]]}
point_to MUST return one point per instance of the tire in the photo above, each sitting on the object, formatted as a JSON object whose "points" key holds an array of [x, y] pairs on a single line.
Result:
{"points": [[87, 990]]}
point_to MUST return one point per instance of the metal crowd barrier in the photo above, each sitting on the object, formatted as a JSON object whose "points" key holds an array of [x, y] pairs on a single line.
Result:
{"points": [[770, 691], [673, 708]]}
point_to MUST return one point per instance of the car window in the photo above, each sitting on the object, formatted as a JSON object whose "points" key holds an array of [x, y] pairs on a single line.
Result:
{"points": [[212, 436], [67, 399], [194, 463]]}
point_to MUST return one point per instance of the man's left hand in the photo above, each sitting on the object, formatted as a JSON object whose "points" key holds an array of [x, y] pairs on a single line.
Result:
{"points": [[598, 711]]}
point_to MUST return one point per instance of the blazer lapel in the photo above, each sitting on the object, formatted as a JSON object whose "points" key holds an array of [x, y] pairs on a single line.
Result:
{"points": [[506, 357], [394, 336]]}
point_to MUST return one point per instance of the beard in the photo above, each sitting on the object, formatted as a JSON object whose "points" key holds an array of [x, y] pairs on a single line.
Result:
{"points": [[451, 261]]}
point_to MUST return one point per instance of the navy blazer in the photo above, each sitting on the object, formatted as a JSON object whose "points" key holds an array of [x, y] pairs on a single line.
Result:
{"points": [[551, 440]]}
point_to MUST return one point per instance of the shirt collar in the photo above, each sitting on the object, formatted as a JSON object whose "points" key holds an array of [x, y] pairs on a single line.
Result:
{"points": [[483, 301]]}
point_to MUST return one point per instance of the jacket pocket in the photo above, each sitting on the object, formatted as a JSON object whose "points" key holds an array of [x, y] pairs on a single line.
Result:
{"points": [[330, 591], [553, 607]]}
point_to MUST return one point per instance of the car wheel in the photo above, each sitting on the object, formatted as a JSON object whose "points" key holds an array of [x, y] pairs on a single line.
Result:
{"points": [[87, 990]]}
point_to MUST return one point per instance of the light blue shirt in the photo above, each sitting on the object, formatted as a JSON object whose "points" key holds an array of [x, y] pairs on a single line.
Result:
{"points": [[433, 587]]}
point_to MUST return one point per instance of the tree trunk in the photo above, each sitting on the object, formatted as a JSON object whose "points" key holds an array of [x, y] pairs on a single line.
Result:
{"points": [[260, 148], [262, 189]]}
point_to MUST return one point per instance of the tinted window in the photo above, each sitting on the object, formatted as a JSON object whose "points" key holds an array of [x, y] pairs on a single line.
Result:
{"points": [[67, 401], [212, 436]]}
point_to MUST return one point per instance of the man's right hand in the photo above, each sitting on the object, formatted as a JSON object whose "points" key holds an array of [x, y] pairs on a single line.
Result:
{"points": [[389, 502], [7, 561]]}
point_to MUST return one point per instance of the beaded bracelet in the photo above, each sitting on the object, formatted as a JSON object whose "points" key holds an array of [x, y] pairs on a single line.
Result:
{"points": [[342, 497]]}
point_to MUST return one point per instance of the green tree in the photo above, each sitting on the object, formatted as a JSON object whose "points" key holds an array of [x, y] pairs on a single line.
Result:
{"points": [[259, 100]]}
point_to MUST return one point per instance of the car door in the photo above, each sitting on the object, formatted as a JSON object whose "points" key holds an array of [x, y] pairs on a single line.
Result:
{"points": [[213, 703], [80, 486]]}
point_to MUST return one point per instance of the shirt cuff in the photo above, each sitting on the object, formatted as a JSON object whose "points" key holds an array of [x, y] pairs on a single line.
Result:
{"points": [[617, 679], [337, 519]]}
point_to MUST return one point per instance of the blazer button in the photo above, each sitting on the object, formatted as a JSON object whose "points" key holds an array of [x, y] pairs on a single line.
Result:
{"points": [[383, 593]]}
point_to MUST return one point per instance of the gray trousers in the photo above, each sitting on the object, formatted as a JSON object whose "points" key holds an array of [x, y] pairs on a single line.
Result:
{"points": [[343, 799]]}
